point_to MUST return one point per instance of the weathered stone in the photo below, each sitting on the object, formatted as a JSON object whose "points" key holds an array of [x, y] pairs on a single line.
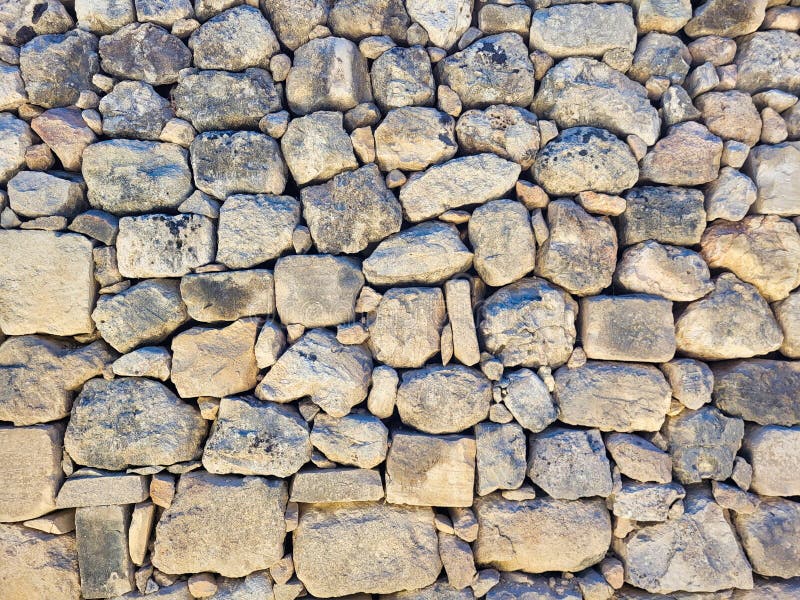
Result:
{"points": [[46, 283], [38, 565], [636, 327], [638, 459], [317, 290], [316, 147], [776, 172], [730, 115], [104, 17], [585, 158], [585, 92], [228, 296], [234, 40], [458, 294], [91, 487], [225, 524], [39, 194], [413, 138], [688, 155], [351, 211], [659, 55], [146, 52], [241, 162], [327, 74], [131, 176], [510, 132], [425, 470], [670, 215], [528, 399], [569, 464], [407, 326], [357, 19], [134, 109], [341, 549], [165, 14], [428, 253], [439, 399], [145, 313], [294, 20], [58, 67], [101, 533], [204, 98], [768, 60], [672, 272], [541, 535], [773, 452], [520, 585], [764, 391], [21, 21], [696, 552], [215, 362], [403, 77], [787, 313], [251, 437], [775, 589], [733, 321], [15, 138], [580, 251], [493, 70], [445, 21], [255, 229], [771, 537], [163, 245], [358, 439], [692, 381], [335, 376], [500, 457], [322, 486], [64, 131], [646, 502], [150, 361], [500, 234], [726, 18], [677, 106], [582, 29], [730, 196], [612, 396], [270, 344]]}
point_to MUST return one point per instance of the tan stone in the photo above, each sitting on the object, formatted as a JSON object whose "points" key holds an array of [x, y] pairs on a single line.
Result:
{"points": [[57, 523], [773, 452], [457, 559], [787, 312], [336, 485], [638, 459], [459, 312], [142, 519], [90, 487], [688, 155]]}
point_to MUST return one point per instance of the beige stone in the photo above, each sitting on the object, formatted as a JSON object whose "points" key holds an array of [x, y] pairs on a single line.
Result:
{"points": [[357, 439], [776, 172], [90, 487], [457, 559], [462, 321], [56, 523], [787, 312], [501, 237], [688, 155], [141, 526], [383, 394], [773, 451], [413, 138], [639, 459], [770, 537], [323, 486]]}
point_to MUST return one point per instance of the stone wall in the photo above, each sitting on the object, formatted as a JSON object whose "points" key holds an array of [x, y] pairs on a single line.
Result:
{"points": [[400, 299]]}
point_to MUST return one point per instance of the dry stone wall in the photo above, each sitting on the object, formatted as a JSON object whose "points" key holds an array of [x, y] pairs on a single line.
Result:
{"points": [[400, 299]]}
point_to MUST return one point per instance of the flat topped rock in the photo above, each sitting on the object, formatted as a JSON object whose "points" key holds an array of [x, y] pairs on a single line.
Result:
{"points": [[760, 390]]}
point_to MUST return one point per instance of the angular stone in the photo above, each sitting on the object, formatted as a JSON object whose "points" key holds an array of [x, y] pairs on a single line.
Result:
{"points": [[638, 459], [371, 547], [773, 452], [228, 295], [204, 98], [403, 77], [582, 29], [581, 250], [358, 439], [145, 313], [234, 40], [703, 444], [225, 524], [428, 253], [215, 362], [445, 21], [270, 344], [164, 245], [500, 234], [146, 52], [21, 21], [357, 19], [327, 74], [688, 155], [569, 464], [241, 162], [612, 396], [141, 526], [731, 115], [425, 470], [165, 14], [659, 55], [493, 70], [317, 290], [131, 176], [440, 590], [40, 194], [670, 215], [733, 321], [335, 376], [529, 323], [294, 20], [30, 467], [351, 211], [132, 421], [645, 501], [787, 313], [776, 172], [151, 361], [324, 486], [90, 487], [696, 552], [413, 138], [134, 109], [38, 565], [771, 537], [316, 147], [58, 67], [500, 457], [768, 60], [528, 399], [407, 326], [541, 535], [15, 138], [466, 180], [255, 229], [65, 132], [726, 18], [251, 437], [439, 399], [585, 92], [458, 294], [38, 376], [510, 132], [101, 533], [770, 588], [46, 283], [730, 196], [764, 391], [692, 381]]}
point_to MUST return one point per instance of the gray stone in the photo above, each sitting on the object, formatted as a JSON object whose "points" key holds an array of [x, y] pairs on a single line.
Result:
{"points": [[728, 18], [150, 361], [582, 29], [101, 533], [639, 459], [131, 176], [204, 98], [357, 19], [659, 55], [414, 138], [510, 132], [145, 313], [670, 215], [520, 585], [316, 147], [40, 194], [501, 236], [787, 313], [228, 295], [358, 439], [677, 106], [773, 451], [163, 245], [351, 211], [335, 377], [768, 60], [428, 253], [134, 109], [500, 457], [270, 344], [458, 294], [164, 13], [440, 590], [445, 21], [529, 323], [323, 486], [132, 421], [692, 381], [91, 487], [15, 138], [234, 40], [528, 399], [648, 502], [105, 16], [146, 52], [294, 20], [255, 229], [771, 537], [730, 196], [770, 588], [251, 437], [776, 172], [18, 25], [760, 390], [688, 155], [403, 77], [612, 396], [493, 70], [241, 162]]}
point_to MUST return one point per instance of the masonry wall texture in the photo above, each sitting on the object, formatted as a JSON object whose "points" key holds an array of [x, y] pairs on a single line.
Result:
{"points": [[400, 299]]}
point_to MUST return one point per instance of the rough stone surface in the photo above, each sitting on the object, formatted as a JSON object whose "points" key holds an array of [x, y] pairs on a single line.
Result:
{"points": [[358, 439], [403, 77], [670, 215], [772, 450], [501, 236], [228, 296], [234, 40], [413, 138], [316, 147], [672, 272], [775, 522], [510, 132], [589, 29]]}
